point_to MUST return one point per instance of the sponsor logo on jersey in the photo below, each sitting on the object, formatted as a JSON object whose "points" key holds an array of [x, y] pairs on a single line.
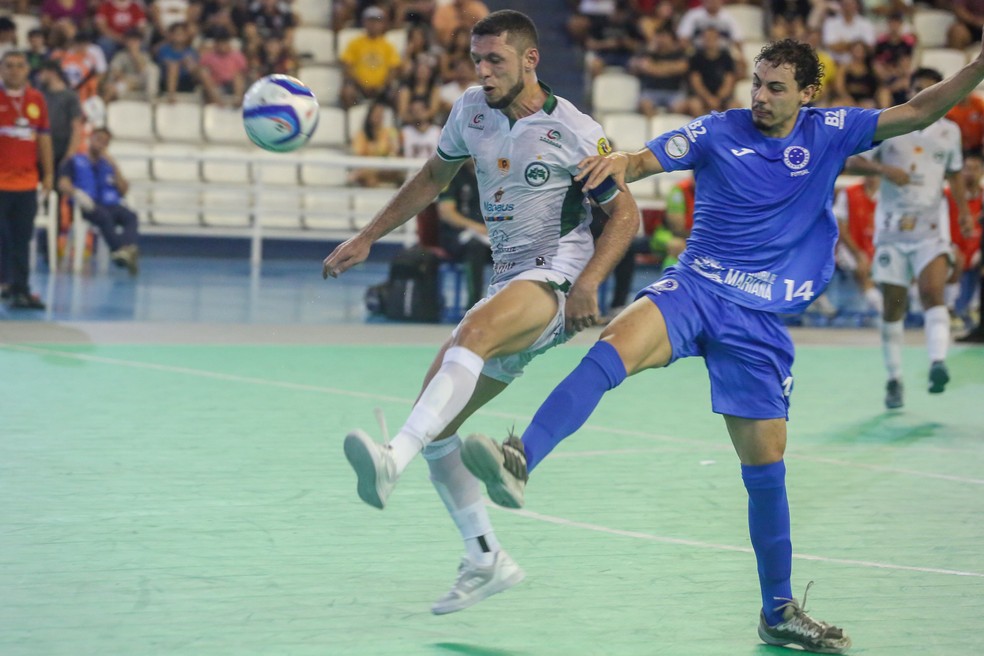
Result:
{"points": [[477, 122], [537, 174], [33, 111], [504, 165], [741, 152], [552, 138], [677, 146], [604, 148], [796, 157], [497, 196], [835, 119], [757, 284], [502, 267], [499, 218]]}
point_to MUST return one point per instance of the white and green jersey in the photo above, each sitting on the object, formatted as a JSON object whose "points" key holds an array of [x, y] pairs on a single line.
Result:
{"points": [[537, 216], [918, 210]]}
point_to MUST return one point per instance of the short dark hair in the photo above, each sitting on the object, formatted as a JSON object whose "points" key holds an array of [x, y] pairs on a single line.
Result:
{"points": [[7, 25], [520, 28], [807, 68], [927, 74], [104, 130]]}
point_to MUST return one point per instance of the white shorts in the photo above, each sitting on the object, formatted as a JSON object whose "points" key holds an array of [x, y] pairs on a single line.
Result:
{"points": [[507, 368], [899, 264], [846, 261]]}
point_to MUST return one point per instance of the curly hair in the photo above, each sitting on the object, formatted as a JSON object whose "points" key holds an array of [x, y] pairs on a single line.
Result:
{"points": [[807, 68]]}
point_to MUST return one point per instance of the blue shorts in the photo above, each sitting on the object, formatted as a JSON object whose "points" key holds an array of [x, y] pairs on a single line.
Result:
{"points": [[748, 353]]}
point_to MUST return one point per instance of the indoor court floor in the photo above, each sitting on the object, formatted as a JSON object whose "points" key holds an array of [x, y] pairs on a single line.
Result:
{"points": [[172, 482]]}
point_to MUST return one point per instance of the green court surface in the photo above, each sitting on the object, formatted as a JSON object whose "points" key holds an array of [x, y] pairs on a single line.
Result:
{"points": [[193, 499]]}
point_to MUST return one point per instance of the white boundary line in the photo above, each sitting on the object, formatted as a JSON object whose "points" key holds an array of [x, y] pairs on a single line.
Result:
{"points": [[201, 373], [560, 521]]}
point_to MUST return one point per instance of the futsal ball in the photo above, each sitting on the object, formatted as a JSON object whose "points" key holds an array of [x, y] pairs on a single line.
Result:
{"points": [[280, 113]]}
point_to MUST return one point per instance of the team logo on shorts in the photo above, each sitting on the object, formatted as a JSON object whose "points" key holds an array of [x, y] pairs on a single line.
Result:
{"points": [[537, 174], [677, 146], [665, 285], [884, 259], [604, 148], [796, 157]]}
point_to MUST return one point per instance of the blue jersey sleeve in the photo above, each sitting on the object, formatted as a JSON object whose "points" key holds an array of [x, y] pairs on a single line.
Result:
{"points": [[685, 147], [858, 125]]}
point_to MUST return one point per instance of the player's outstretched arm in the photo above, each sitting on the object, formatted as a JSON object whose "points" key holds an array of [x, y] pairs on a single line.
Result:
{"points": [[621, 167], [415, 194], [857, 165], [581, 310], [931, 104]]}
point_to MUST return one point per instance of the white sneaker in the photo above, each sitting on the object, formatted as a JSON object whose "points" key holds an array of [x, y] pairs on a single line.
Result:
{"points": [[374, 465], [475, 583]]}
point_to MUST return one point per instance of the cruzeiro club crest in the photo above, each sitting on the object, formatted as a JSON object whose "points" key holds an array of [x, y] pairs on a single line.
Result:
{"points": [[537, 174], [796, 157]]}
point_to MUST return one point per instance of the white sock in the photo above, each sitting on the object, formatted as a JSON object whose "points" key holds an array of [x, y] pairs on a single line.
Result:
{"points": [[462, 496], [937, 326], [443, 398], [892, 333], [950, 293], [873, 297]]}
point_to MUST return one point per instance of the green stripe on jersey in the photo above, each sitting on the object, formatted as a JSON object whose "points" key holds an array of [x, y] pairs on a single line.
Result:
{"points": [[572, 212], [451, 158]]}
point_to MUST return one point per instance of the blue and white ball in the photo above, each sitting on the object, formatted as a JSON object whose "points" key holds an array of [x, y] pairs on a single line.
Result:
{"points": [[280, 113]]}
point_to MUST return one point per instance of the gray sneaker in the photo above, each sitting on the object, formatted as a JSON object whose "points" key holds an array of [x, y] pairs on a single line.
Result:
{"points": [[501, 468], [475, 583], [373, 464], [798, 628], [938, 377], [893, 394]]}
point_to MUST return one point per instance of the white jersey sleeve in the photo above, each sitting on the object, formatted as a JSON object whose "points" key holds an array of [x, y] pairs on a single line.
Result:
{"points": [[451, 146]]}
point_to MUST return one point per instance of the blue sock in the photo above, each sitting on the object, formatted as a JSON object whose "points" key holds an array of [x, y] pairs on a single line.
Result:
{"points": [[573, 401], [768, 526]]}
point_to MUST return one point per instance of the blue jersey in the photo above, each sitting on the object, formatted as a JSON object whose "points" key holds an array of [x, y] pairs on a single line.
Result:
{"points": [[764, 231]]}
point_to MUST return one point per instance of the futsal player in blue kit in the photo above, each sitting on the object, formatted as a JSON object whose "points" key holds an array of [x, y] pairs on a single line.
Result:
{"points": [[762, 244]]}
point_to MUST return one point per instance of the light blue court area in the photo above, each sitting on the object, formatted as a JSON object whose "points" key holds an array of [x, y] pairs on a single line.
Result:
{"points": [[179, 488]]}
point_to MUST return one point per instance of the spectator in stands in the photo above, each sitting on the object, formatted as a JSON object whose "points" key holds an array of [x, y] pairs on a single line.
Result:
{"points": [[371, 61], [273, 57], [464, 77], [614, 42], [114, 19], [842, 30], [709, 15], [229, 15], [53, 11], [37, 53], [26, 147], [790, 17], [854, 208], [422, 86], [96, 108], [376, 139], [655, 15], [967, 248], [96, 184], [8, 35], [419, 45], [166, 13], [131, 69], [83, 62], [419, 134], [457, 14], [893, 62], [64, 112], [462, 233], [591, 15], [966, 29], [968, 114], [180, 71], [225, 68], [824, 96], [459, 50], [662, 70], [712, 76], [856, 82], [273, 19]]}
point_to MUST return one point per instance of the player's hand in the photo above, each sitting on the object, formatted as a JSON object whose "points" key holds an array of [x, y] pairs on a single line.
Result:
{"points": [[581, 310], [345, 256], [593, 170], [895, 175]]}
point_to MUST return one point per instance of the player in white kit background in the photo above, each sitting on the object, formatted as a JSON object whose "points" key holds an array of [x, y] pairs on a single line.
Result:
{"points": [[526, 144], [912, 236]]}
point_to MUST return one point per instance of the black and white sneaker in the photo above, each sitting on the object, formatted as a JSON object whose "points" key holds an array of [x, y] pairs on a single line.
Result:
{"points": [[938, 377], [798, 628], [893, 394], [501, 467]]}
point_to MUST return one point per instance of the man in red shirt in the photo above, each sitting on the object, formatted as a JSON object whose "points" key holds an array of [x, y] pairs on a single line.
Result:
{"points": [[24, 141], [115, 18], [854, 208], [967, 247], [969, 115]]}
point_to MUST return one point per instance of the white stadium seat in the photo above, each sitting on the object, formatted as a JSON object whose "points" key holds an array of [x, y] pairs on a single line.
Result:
{"points": [[750, 49], [615, 92], [171, 163], [743, 93], [274, 170], [314, 175], [626, 131], [345, 36], [324, 81], [665, 122], [226, 208], [131, 119], [174, 206], [223, 125], [133, 158], [931, 26], [749, 19], [234, 171], [178, 122], [313, 12], [279, 209], [24, 23], [331, 127], [315, 44], [398, 37], [945, 60], [324, 212]]}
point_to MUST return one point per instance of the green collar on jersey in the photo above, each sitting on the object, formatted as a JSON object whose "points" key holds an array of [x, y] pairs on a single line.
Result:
{"points": [[551, 102]]}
